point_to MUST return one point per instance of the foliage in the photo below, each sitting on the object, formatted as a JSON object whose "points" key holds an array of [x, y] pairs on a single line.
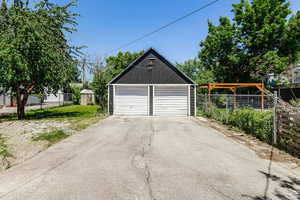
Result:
{"points": [[52, 137], [116, 64], [259, 124], [75, 90], [262, 39], [34, 53], [80, 117], [99, 84], [295, 103], [102, 75], [195, 70]]}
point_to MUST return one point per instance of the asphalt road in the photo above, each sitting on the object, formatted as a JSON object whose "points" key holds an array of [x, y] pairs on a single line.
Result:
{"points": [[145, 158]]}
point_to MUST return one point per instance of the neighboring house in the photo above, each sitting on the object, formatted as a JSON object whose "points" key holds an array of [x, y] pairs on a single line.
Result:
{"points": [[297, 74], [7, 100], [152, 86], [54, 98], [291, 87]]}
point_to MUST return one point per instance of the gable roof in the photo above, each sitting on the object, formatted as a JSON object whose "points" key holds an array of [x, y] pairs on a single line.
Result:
{"points": [[160, 57]]}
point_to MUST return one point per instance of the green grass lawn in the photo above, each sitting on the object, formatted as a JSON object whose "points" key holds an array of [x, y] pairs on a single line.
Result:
{"points": [[52, 137], [62, 112], [80, 116]]}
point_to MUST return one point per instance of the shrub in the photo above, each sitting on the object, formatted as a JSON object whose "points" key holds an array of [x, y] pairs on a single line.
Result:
{"points": [[257, 123], [76, 95], [295, 103]]}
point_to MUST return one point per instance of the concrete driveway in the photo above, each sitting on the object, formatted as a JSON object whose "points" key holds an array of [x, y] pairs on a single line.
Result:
{"points": [[145, 158]]}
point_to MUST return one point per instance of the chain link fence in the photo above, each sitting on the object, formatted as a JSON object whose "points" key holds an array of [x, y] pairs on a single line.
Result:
{"points": [[8, 103], [267, 117], [253, 114], [232, 102]]}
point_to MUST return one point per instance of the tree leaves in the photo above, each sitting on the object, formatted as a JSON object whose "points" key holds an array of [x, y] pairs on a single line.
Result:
{"points": [[260, 40], [34, 53]]}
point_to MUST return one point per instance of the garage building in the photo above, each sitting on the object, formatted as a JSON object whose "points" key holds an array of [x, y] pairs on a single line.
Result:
{"points": [[152, 86]]}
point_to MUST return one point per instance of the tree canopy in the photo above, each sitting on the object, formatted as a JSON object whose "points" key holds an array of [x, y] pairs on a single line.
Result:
{"points": [[34, 53], [195, 70], [263, 38]]}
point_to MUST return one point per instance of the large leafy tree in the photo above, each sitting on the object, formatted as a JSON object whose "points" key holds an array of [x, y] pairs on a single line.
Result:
{"points": [[196, 71], [263, 38], [34, 53], [116, 64], [104, 73]]}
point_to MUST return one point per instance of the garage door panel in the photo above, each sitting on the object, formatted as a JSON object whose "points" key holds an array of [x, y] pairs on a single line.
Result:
{"points": [[131, 100], [172, 101]]}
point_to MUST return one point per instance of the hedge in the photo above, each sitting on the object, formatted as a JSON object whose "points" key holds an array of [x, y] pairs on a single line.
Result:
{"points": [[257, 123]]}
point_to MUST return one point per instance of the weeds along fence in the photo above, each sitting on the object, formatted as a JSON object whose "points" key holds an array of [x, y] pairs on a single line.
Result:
{"points": [[266, 117], [242, 111]]}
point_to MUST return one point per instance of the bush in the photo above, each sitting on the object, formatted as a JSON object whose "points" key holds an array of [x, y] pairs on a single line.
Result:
{"points": [[76, 95], [295, 103], [259, 124]]}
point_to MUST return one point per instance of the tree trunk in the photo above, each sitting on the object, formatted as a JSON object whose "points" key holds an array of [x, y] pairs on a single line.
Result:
{"points": [[21, 102]]}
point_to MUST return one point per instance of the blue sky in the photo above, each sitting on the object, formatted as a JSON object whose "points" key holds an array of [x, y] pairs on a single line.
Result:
{"points": [[106, 25]]}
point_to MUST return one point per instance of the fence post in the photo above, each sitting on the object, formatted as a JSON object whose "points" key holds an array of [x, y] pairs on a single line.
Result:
{"points": [[205, 104], [227, 111], [275, 119]]}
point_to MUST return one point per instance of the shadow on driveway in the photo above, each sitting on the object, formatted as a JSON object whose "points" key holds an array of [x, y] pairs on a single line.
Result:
{"points": [[291, 185]]}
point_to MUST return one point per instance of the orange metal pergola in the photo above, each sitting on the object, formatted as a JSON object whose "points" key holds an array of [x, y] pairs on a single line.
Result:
{"points": [[233, 87]]}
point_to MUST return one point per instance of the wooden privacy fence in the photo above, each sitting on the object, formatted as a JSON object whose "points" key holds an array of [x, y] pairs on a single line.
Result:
{"points": [[287, 127]]}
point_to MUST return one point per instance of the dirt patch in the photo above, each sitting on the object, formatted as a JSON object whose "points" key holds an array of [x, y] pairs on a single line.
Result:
{"points": [[262, 149], [19, 136]]}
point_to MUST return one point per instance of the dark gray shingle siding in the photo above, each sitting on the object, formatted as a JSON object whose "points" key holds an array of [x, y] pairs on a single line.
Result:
{"points": [[162, 72], [111, 100], [192, 100]]}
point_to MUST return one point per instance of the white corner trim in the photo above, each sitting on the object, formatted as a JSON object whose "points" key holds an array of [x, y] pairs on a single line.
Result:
{"points": [[149, 100], [195, 98], [114, 98]]}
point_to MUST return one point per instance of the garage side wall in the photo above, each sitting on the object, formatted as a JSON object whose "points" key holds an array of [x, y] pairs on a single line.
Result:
{"points": [[192, 100], [111, 100]]}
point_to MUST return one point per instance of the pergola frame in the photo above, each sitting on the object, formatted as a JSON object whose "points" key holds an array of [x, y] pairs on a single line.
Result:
{"points": [[233, 87]]}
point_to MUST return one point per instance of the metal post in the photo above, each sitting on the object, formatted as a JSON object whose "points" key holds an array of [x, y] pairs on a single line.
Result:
{"points": [[227, 111], [205, 105], [234, 99], [275, 119], [262, 98], [58, 99], [4, 100]]}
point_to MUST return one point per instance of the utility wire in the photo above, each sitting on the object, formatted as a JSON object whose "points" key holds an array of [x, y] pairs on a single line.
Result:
{"points": [[164, 26]]}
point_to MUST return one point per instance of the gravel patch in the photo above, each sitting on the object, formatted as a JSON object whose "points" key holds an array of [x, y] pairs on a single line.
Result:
{"points": [[19, 134]]}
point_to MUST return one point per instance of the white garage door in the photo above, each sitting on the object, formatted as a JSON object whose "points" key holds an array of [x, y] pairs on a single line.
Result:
{"points": [[172, 101], [131, 100]]}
